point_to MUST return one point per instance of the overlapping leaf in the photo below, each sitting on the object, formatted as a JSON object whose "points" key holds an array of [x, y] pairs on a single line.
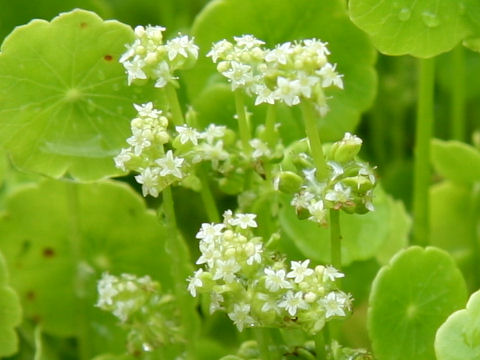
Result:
{"points": [[410, 298], [277, 21], [65, 105]]}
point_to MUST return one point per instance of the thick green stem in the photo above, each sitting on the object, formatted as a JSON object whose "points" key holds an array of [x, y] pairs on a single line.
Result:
{"points": [[457, 128], [422, 151], [270, 120], [335, 239], [311, 129], [180, 258], [84, 343], [175, 109], [243, 124], [37, 335], [208, 198]]}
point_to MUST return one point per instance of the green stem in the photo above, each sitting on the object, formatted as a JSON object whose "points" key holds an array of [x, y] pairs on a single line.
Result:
{"points": [[180, 258], [474, 215], [424, 129], [37, 335], [243, 124], [263, 341], [311, 129], [270, 120], [84, 343], [335, 239], [320, 345], [208, 198], [458, 94], [175, 109]]}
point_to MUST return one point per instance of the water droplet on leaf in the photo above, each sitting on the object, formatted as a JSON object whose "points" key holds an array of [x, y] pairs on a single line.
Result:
{"points": [[404, 14], [430, 19], [147, 347]]}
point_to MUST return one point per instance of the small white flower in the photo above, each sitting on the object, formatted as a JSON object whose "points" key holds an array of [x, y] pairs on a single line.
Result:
{"points": [[120, 160], [331, 273], [238, 74], [209, 232], [339, 193], [317, 46], [213, 132], [240, 316], [248, 41], [195, 282], [106, 290], [147, 110], [330, 76], [244, 221], [187, 134], [216, 300], [264, 95], [139, 142], [300, 270], [149, 180], [275, 280], [260, 148], [134, 70], [287, 91], [337, 169], [279, 54], [219, 50], [181, 45], [292, 302], [269, 303], [170, 165], [154, 33], [226, 270], [334, 304], [318, 212], [163, 74]]}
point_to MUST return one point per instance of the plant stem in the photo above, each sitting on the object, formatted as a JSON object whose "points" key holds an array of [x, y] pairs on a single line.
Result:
{"points": [[175, 109], [243, 124], [263, 342], [84, 344], [208, 198], [421, 181], [457, 129], [180, 258], [311, 129], [37, 335], [270, 120], [335, 239]]}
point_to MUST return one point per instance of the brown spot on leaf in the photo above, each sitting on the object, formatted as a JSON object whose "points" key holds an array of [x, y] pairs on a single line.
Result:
{"points": [[30, 295], [108, 57], [36, 318], [83, 25], [48, 252]]}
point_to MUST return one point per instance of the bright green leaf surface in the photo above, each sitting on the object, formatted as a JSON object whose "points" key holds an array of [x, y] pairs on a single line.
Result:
{"points": [[410, 298], [10, 313], [65, 105], [57, 253], [420, 28], [277, 21], [456, 161], [459, 337], [363, 235]]}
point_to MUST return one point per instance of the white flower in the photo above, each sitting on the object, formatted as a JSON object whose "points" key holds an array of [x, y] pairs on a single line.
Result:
{"points": [[154, 33], [219, 50], [134, 70], [120, 160], [292, 302], [264, 95], [195, 282], [269, 303], [149, 180], [275, 280], [279, 54], [299, 270], [139, 142], [331, 273], [319, 47], [147, 110], [209, 232], [183, 46], [170, 165], [337, 169], [244, 221], [330, 76], [226, 270], [334, 304], [302, 199], [213, 132], [215, 302], [163, 74], [106, 290], [238, 74], [317, 211], [287, 91], [187, 134], [240, 316], [248, 41], [255, 254], [260, 148], [210, 254], [339, 193]]}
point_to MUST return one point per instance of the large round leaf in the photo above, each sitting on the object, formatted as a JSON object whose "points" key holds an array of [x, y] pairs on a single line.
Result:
{"points": [[420, 28], [58, 238], [459, 337], [278, 21], [10, 313], [65, 105], [410, 298], [364, 236]]}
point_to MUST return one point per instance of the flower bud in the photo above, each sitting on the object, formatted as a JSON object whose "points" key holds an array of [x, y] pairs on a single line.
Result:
{"points": [[288, 182], [346, 149]]}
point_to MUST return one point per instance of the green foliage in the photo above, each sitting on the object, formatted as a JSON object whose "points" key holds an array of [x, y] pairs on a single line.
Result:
{"points": [[10, 313], [459, 337], [410, 298], [64, 99], [275, 22], [418, 28]]}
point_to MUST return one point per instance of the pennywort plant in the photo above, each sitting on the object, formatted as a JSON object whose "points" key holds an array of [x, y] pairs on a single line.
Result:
{"points": [[198, 188]]}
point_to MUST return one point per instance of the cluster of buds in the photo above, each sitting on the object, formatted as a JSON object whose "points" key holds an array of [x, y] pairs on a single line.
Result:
{"points": [[149, 58], [256, 287], [348, 186], [150, 317], [288, 73]]}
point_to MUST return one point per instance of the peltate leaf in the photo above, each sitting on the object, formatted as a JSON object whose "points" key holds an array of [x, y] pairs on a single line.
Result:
{"points": [[65, 104], [278, 21], [410, 298], [459, 337]]}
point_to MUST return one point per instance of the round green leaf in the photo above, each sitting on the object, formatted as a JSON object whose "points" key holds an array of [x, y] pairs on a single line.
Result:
{"points": [[459, 337], [420, 28], [410, 298], [10, 313], [65, 105], [364, 236], [58, 238], [278, 21], [456, 161]]}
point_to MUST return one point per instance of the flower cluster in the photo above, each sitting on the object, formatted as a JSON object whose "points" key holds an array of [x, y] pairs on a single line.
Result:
{"points": [[349, 185], [150, 317], [149, 58], [288, 73], [255, 288]]}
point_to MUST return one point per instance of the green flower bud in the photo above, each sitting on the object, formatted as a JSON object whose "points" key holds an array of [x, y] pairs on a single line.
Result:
{"points": [[288, 182], [346, 149], [358, 184]]}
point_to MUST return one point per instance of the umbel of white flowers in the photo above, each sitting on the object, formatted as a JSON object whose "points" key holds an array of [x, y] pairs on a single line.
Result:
{"points": [[149, 58], [242, 279], [288, 73]]}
